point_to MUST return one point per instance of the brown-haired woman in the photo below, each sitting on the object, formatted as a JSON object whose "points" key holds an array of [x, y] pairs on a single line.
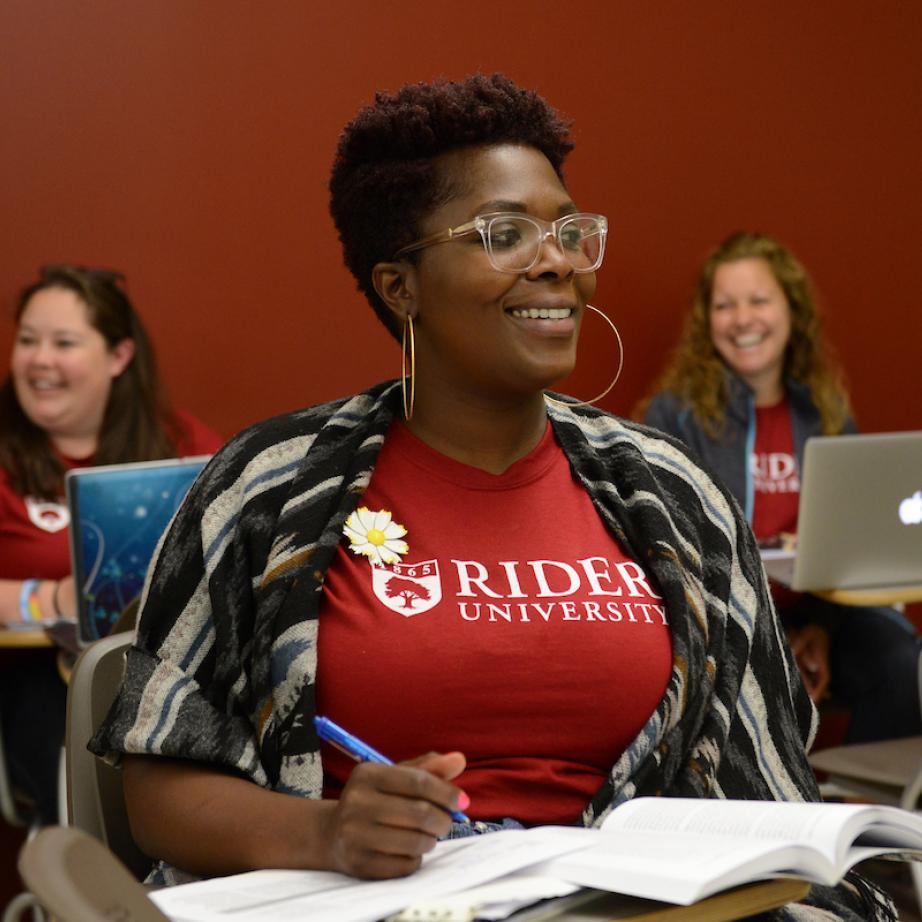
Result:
{"points": [[82, 389], [750, 382]]}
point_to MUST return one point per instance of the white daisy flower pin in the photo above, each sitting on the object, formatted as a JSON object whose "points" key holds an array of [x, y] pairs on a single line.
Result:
{"points": [[376, 536]]}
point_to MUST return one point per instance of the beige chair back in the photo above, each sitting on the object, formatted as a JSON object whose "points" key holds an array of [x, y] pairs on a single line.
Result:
{"points": [[95, 802], [77, 879], [886, 772]]}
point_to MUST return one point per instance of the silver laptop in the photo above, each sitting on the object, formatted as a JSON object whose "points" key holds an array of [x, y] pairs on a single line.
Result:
{"points": [[860, 520], [117, 515]]}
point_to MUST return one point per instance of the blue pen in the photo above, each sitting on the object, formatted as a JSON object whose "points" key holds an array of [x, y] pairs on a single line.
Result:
{"points": [[353, 747]]}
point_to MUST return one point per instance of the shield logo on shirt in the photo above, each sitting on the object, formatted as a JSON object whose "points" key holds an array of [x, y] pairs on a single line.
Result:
{"points": [[47, 516], [408, 588]]}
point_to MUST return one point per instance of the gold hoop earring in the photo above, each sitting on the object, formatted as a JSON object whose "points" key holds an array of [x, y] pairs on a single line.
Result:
{"points": [[408, 336], [614, 381]]}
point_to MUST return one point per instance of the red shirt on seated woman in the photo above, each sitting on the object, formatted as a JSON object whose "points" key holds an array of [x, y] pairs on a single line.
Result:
{"points": [[538, 597]]}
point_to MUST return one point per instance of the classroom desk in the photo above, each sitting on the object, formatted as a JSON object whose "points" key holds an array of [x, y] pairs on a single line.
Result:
{"points": [[19, 639], [38, 639], [779, 565], [737, 903], [873, 597]]}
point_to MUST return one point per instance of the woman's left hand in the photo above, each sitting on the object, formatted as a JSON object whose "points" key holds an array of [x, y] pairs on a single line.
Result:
{"points": [[58, 599]]}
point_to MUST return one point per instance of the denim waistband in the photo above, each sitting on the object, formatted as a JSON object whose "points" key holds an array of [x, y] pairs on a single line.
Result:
{"points": [[478, 828]]}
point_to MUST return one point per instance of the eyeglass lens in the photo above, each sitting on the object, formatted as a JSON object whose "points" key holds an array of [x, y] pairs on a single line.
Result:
{"points": [[514, 242]]}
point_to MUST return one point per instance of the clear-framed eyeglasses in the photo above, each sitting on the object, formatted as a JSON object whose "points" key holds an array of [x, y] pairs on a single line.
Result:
{"points": [[513, 240]]}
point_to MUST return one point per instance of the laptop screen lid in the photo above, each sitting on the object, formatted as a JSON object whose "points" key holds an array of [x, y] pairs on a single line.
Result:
{"points": [[860, 518], [117, 514]]}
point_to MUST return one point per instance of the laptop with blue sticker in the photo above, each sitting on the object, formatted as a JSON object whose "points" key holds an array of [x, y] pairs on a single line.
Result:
{"points": [[117, 514]]}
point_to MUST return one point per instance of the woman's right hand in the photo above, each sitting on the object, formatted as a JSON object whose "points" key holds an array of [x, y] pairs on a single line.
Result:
{"points": [[389, 816], [210, 822]]}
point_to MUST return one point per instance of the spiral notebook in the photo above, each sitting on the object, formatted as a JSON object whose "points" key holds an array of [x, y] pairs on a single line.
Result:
{"points": [[117, 514]]}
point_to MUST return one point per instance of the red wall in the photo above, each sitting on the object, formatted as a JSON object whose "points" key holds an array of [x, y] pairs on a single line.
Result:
{"points": [[188, 144]]}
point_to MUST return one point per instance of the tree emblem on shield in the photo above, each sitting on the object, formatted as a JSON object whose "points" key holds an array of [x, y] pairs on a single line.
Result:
{"points": [[408, 588]]}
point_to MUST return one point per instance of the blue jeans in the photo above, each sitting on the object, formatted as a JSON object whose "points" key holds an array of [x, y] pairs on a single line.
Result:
{"points": [[874, 666], [32, 705], [478, 828]]}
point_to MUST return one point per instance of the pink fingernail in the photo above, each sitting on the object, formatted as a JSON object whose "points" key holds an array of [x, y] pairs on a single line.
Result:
{"points": [[463, 801]]}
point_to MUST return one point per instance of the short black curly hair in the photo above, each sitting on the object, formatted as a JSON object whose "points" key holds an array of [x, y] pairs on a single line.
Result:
{"points": [[383, 181]]}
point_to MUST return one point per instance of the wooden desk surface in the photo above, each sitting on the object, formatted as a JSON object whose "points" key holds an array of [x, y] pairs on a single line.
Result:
{"points": [[872, 597], [22, 638], [722, 907]]}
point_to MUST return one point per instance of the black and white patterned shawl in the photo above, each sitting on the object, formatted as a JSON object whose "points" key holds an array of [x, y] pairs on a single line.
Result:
{"points": [[224, 663]]}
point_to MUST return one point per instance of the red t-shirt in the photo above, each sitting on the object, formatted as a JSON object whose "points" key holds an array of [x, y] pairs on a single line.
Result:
{"points": [[775, 479], [514, 629], [33, 532]]}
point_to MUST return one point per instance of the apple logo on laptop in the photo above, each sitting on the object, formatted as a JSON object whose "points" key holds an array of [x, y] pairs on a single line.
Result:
{"points": [[911, 509]]}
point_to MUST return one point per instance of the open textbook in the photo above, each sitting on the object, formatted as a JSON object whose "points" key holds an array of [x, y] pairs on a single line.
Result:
{"points": [[667, 849], [681, 850]]}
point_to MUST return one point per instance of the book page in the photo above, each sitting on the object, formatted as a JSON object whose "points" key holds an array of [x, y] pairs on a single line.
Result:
{"points": [[829, 829], [681, 867], [322, 896], [685, 848], [669, 849], [492, 901]]}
